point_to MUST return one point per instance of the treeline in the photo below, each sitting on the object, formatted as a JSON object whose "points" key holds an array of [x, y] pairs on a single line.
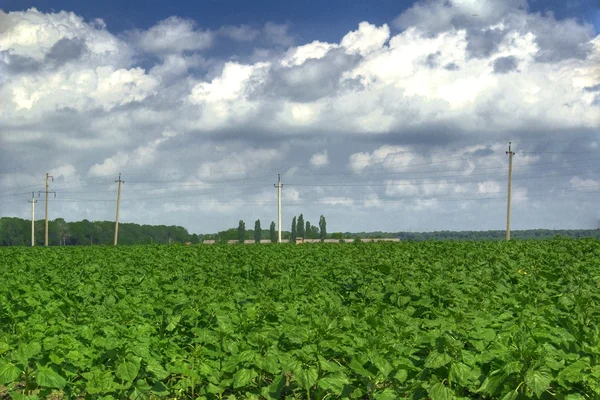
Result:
{"points": [[474, 235], [299, 229], [17, 232], [499, 235]]}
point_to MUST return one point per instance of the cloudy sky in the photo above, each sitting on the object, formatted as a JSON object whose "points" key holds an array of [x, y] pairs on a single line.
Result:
{"points": [[381, 115]]}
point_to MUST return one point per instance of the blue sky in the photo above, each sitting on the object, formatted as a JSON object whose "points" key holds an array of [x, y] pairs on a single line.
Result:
{"points": [[310, 19]]}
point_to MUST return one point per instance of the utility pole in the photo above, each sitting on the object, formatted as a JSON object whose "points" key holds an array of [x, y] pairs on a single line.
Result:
{"points": [[510, 158], [48, 176], [32, 201], [118, 201], [278, 186]]}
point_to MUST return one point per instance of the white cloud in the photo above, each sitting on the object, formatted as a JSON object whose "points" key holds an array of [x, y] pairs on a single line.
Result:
{"points": [[238, 164], [367, 39], [584, 184], [241, 33], [34, 34], [336, 201], [173, 35], [488, 187], [311, 51], [319, 160]]}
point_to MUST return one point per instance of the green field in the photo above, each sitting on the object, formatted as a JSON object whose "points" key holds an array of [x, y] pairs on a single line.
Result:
{"points": [[437, 320]]}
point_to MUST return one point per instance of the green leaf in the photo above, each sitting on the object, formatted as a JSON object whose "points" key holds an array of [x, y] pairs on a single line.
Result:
{"points": [[155, 368], [25, 352], [538, 381], [306, 378], [513, 367], [243, 377], [437, 360], [401, 375], [357, 367], [512, 395], [98, 381], [334, 382], [382, 365], [460, 373], [56, 359], [440, 392], [8, 373], [4, 347], [47, 377], [386, 394], [128, 370], [492, 382], [160, 389], [574, 396]]}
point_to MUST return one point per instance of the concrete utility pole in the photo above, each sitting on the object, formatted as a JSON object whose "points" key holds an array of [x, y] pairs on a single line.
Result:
{"points": [[278, 186], [48, 176], [118, 202], [32, 201], [510, 157]]}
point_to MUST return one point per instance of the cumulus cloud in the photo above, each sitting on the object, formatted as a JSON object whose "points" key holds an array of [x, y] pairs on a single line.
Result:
{"points": [[319, 160], [172, 35]]}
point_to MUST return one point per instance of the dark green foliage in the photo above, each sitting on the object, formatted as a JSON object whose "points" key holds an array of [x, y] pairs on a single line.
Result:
{"points": [[257, 231], [273, 232], [322, 228], [241, 231], [437, 320], [17, 232], [294, 232], [300, 226]]}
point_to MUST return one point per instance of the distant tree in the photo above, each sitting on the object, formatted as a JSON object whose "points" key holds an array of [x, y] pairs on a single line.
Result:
{"points": [[195, 239], [257, 231], [307, 232], [294, 232], [337, 235], [300, 226], [272, 232], [323, 227], [241, 231], [314, 232]]}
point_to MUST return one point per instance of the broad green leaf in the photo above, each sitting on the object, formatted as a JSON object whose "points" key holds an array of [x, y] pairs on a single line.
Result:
{"points": [[243, 377], [128, 369], [8, 373], [437, 360], [47, 377], [513, 367], [160, 389], [401, 375], [334, 382], [574, 396], [492, 382], [382, 365], [459, 373], [306, 378], [440, 392], [26, 352], [99, 382], [538, 381], [155, 368], [512, 395], [386, 394], [357, 367], [4, 347]]}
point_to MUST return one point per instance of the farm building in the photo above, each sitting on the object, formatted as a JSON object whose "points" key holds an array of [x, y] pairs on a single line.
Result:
{"points": [[209, 241]]}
